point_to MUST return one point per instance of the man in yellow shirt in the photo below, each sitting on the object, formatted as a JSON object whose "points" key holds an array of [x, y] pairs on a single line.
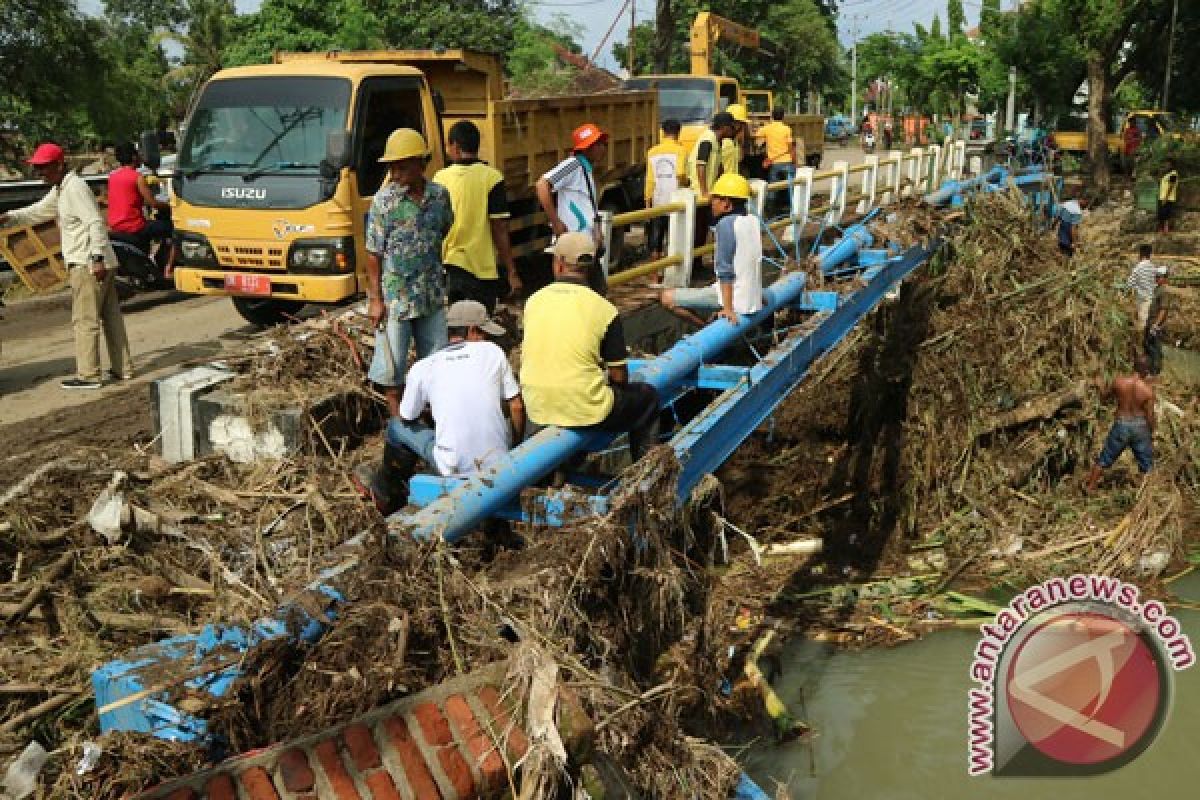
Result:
{"points": [[665, 172], [480, 229], [1168, 189], [731, 149], [781, 154], [573, 355]]}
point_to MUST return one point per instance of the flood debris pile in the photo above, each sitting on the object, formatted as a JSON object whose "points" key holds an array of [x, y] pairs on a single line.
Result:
{"points": [[944, 447], [102, 553]]}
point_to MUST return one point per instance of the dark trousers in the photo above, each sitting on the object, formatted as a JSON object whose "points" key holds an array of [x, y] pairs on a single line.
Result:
{"points": [[463, 285], [634, 411], [1152, 346], [703, 223]]}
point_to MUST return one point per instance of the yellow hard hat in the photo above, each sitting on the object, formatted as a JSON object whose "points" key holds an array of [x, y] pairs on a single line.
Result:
{"points": [[152, 181], [738, 112], [404, 143], [732, 185]]}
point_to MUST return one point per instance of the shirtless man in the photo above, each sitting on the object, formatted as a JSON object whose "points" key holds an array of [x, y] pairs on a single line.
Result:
{"points": [[1134, 426]]}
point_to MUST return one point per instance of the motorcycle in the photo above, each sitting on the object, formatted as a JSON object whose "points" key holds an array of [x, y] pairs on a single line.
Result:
{"points": [[141, 263]]}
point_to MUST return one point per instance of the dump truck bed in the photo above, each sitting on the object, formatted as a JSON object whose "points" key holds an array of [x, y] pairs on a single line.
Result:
{"points": [[525, 137]]}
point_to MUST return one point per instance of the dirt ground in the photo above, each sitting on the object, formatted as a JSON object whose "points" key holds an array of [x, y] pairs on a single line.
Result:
{"points": [[165, 330]]}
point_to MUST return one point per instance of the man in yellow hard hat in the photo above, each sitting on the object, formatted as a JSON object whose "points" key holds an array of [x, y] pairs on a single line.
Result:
{"points": [[731, 148], [406, 285], [738, 260]]}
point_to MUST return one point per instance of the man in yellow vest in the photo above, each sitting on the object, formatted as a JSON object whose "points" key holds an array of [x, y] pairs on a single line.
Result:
{"points": [[731, 149], [1168, 190], [665, 172], [704, 166]]}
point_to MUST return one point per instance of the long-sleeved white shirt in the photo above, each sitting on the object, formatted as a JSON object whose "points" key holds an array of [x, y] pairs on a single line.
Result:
{"points": [[83, 231]]}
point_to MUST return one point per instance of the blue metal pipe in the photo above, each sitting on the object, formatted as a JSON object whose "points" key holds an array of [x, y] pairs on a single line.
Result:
{"points": [[855, 238], [454, 515], [948, 190]]}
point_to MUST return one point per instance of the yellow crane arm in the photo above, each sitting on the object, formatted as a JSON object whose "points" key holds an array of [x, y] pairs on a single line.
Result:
{"points": [[707, 30]]}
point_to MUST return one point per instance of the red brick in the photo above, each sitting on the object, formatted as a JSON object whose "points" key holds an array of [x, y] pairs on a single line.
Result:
{"points": [[381, 786], [479, 743], [184, 793], [433, 725], [294, 771], [257, 784], [457, 770], [411, 760], [335, 771], [361, 747], [516, 742], [220, 787]]}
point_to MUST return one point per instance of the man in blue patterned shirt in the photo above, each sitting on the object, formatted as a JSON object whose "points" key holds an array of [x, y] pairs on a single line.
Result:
{"points": [[408, 221]]}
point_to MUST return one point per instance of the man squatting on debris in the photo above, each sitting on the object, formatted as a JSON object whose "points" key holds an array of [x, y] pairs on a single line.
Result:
{"points": [[1134, 426], [465, 386]]}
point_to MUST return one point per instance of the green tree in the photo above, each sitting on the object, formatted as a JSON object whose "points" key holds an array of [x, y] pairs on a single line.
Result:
{"points": [[956, 19]]}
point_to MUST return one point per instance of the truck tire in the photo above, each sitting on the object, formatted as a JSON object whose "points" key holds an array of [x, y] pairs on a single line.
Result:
{"points": [[265, 311]]}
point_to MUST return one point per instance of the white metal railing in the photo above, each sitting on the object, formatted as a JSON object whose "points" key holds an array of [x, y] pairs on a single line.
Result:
{"points": [[879, 181]]}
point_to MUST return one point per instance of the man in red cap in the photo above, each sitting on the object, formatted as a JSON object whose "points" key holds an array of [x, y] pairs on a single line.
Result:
{"points": [[91, 265], [567, 192]]}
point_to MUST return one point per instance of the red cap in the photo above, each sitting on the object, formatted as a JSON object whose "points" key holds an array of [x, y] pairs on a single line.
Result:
{"points": [[587, 135], [46, 153]]}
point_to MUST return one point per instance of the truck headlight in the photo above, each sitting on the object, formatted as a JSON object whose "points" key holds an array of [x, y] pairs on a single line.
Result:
{"points": [[322, 255], [195, 251]]}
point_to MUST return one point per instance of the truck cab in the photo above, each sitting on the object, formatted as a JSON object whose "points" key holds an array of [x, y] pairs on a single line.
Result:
{"points": [[276, 172]]}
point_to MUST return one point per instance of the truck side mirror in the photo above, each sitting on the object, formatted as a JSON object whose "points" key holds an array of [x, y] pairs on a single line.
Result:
{"points": [[439, 101], [148, 145], [337, 149]]}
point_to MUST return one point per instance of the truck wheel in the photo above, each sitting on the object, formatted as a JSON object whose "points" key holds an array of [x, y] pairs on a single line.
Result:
{"points": [[266, 312]]}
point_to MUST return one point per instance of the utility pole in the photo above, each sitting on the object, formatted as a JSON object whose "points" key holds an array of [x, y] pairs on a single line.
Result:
{"points": [[632, 35], [1170, 57], [854, 71], [1010, 115]]}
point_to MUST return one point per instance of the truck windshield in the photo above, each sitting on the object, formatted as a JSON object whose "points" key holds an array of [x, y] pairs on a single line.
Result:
{"points": [[264, 125], [681, 99]]}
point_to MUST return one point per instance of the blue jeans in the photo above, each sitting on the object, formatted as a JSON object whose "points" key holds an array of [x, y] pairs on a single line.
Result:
{"points": [[781, 172], [1132, 433], [415, 437], [428, 331]]}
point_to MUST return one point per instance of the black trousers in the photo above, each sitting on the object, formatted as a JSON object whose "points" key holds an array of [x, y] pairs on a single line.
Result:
{"points": [[1152, 346], [634, 411]]}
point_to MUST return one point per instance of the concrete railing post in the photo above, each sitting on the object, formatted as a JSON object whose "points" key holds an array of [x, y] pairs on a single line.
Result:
{"points": [[869, 179], [681, 227], [606, 226], [960, 159], [914, 172], [837, 192], [896, 177], [758, 197], [801, 201], [933, 171]]}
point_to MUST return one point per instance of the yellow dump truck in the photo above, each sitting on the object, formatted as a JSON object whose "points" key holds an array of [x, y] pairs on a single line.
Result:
{"points": [[279, 162], [1071, 135], [693, 99]]}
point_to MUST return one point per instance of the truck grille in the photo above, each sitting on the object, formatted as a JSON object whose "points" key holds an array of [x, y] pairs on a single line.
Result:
{"points": [[243, 255]]}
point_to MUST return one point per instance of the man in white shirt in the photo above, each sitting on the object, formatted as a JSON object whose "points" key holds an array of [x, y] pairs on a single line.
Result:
{"points": [[91, 267], [567, 192], [1142, 280], [465, 385]]}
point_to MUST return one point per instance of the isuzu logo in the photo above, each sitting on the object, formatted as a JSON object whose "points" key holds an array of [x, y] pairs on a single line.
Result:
{"points": [[243, 193]]}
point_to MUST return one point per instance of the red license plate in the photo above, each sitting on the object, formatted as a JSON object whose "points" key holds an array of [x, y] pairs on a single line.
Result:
{"points": [[248, 284]]}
